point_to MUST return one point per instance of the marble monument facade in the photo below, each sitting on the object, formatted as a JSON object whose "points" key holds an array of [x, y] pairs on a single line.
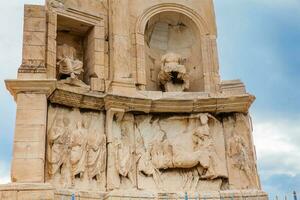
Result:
{"points": [[120, 99]]}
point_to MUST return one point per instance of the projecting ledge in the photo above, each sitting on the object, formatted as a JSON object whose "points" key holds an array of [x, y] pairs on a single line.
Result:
{"points": [[153, 102], [30, 86]]}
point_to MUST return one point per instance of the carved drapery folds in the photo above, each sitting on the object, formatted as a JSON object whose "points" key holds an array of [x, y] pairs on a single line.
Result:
{"points": [[69, 66], [169, 153], [125, 98], [76, 148], [241, 159], [152, 152]]}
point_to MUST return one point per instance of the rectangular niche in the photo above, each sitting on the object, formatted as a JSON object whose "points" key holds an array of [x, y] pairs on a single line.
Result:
{"points": [[75, 38]]}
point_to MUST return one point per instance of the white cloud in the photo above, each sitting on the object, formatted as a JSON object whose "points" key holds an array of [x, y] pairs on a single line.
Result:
{"points": [[276, 145], [4, 172]]}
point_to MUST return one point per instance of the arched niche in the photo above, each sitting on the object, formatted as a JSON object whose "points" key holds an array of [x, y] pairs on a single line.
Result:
{"points": [[169, 28]]}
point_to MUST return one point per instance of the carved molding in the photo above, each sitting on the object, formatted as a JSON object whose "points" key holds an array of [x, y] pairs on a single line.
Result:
{"points": [[30, 86], [148, 102]]}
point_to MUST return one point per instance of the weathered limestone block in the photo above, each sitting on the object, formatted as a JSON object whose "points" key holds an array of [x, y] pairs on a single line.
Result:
{"points": [[34, 38], [34, 43], [120, 43], [233, 87], [29, 147], [21, 191], [8, 195]]}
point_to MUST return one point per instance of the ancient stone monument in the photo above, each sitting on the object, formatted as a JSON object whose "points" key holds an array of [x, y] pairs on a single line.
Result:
{"points": [[122, 99]]}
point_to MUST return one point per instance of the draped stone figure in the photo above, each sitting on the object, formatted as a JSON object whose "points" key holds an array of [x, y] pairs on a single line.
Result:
{"points": [[76, 150], [79, 150], [96, 158], [58, 144], [238, 152], [214, 168], [124, 150], [123, 99]]}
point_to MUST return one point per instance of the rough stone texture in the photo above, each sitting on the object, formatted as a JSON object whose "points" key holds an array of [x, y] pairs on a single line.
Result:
{"points": [[28, 191], [29, 143], [122, 99], [34, 43]]}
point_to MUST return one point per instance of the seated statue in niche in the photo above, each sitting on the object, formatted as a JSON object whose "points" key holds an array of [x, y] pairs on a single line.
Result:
{"points": [[173, 75], [69, 66]]}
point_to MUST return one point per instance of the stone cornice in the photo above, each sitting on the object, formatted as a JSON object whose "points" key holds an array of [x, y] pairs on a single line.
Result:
{"points": [[30, 86], [152, 102]]}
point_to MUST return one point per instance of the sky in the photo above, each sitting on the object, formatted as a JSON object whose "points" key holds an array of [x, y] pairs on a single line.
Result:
{"points": [[258, 42]]}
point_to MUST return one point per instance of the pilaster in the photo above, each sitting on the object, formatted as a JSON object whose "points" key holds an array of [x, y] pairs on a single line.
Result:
{"points": [[30, 129]]}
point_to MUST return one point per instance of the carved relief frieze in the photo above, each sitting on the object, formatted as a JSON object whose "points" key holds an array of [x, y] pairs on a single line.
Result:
{"points": [[241, 160], [169, 153], [76, 148]]}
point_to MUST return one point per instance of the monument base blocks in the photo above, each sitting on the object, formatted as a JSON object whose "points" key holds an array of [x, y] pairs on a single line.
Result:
{"points": [[123, 100], [47, 192]]}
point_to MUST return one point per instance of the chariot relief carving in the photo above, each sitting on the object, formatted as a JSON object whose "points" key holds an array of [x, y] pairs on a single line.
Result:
{"points": [[169, 153], [150, 152]]}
